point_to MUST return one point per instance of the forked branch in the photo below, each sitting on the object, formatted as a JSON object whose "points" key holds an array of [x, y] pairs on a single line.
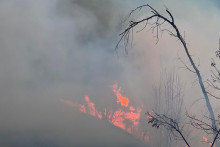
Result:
{"points": [[157, 20], [170, 124], [204, 126]]}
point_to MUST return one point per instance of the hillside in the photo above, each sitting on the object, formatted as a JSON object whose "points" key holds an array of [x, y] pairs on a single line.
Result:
{"points": [[65, 128]]}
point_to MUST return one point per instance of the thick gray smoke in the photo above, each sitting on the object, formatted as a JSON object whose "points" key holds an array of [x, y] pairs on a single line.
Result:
{"points": [[53, 50], [64, 49]]}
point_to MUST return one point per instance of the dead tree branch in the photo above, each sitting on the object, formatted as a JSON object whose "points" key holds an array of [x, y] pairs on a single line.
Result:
{"points": [[204, 126], [170, 124], [156, 18]]}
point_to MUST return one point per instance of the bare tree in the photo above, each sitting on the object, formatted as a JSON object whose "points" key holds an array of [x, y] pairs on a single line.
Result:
{"points": [[204, 125], [168, 98], [158, 120], [156, 20], [213, 88], [177, 128]]}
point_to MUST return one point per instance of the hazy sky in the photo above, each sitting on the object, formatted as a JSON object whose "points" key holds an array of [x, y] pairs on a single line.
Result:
{"points": [[65, 49]]}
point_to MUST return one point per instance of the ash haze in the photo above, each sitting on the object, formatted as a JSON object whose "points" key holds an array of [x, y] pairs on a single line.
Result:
{"points": [[64, 49]]}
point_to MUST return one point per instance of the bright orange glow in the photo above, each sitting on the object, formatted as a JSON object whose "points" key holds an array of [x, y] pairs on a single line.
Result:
{"points": [[206, 140], [124, 101], [134, 117], [126, 117], [89, 108], [149, 116], [117, 119]]}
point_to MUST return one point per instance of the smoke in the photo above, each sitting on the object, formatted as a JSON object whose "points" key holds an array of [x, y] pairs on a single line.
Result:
{"points": [[101, 15], [53, 50], [64, 49]]}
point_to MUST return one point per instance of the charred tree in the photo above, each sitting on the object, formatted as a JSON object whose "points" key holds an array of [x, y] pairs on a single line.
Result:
{"points": [[156, 20]]}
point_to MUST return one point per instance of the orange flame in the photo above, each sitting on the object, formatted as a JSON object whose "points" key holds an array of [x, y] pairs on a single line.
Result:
{"points": [[117, 119], [90, 109], [206, 140], [127, 118], [149, 115], [124, 101]]}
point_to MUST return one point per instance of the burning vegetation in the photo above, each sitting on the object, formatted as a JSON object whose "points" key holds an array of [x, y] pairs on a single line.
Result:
{"points": [[125, 116]]}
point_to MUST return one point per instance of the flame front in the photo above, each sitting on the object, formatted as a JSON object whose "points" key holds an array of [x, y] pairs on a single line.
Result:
{"points": [[126, 117], [124, 101], [89, 108], [206, 140]]}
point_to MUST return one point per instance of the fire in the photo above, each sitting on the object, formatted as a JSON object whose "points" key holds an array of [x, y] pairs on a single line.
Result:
{"points": [[206, 140], [89, 108], [149, 115], [117, 119], [126, 117], [124, 101]]}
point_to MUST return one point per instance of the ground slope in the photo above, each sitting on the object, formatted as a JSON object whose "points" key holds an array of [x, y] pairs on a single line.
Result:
{"points": [[64, 127]]}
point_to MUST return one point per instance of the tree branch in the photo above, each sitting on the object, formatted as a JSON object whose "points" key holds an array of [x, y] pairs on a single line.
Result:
{"points": [[158, 120], [182, 41]]}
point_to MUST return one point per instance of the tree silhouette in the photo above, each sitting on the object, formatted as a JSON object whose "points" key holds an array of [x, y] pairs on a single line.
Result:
{"points": [[156, 20]]}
